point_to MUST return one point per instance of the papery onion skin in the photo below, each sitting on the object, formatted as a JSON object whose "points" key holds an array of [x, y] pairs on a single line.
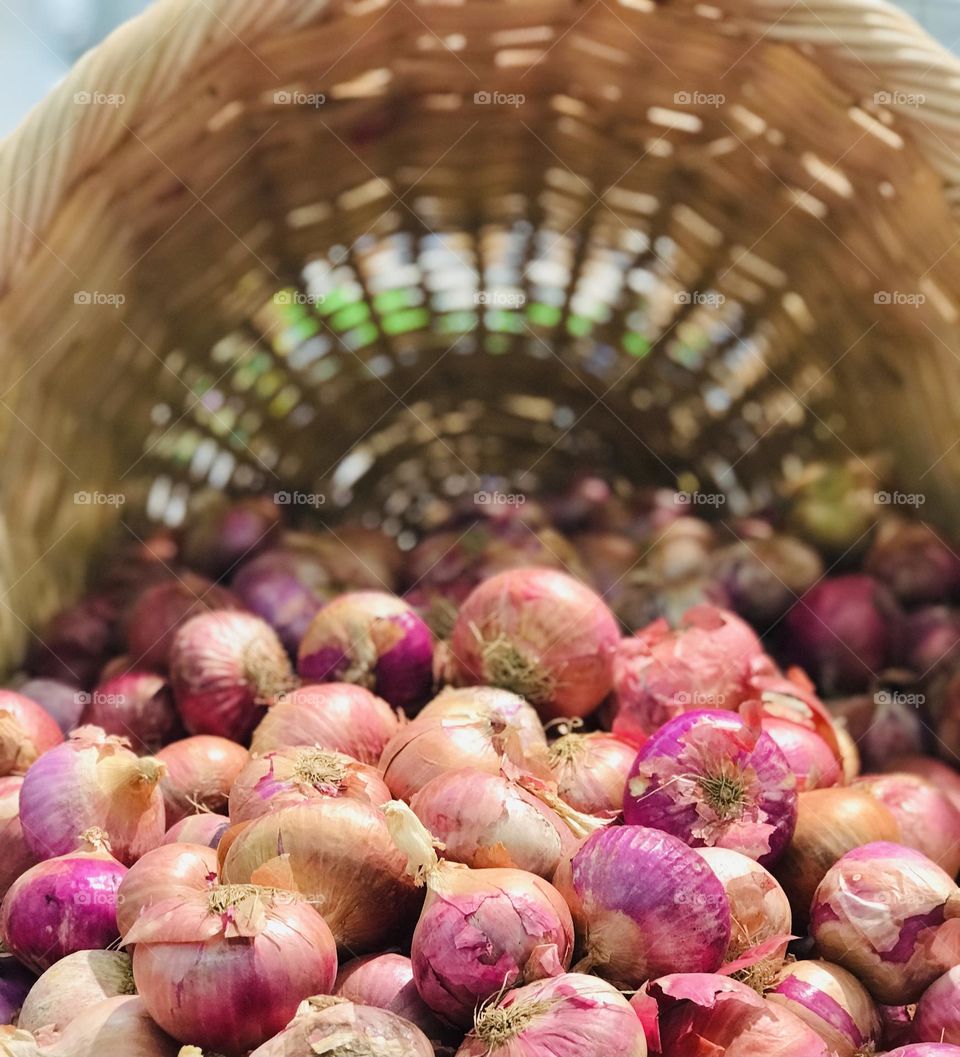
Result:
{"points": [[678, 919], [336, 853], [15, 984], [832, 1002], [16, 856], [72, 985], [373, 639], [92, 781], [886, 913], [115, 1027], [337, 716], [204, 828], [479, 702], [62, 701], [226, 667], [808, 755], [541, 634], [591, 771], [200, 772], [572, 1015], [288, 777], [167, 872], [929, 821], [937, 1018], [711, 779], [137, 705], [27, 731]]}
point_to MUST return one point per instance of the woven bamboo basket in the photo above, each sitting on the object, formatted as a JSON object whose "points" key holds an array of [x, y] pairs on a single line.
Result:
{"points": [[379, 250]]}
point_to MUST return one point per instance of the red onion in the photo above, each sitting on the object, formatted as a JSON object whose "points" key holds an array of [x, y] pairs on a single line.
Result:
{"points": [[479, 702], [832, 1002], [712, 779], [92, 781], [137, 705], [204, 828], [200, 772], [161, 610], [929, 821], [591, 771], [926, 1049], [372, 639], [792, 697], [480, 931], [115, 1027], [937, 1018], [889, 915], [15, 983], [896, 1025], [288, 777], [942, 775], [929, 640], [541, 634], [77, 642], [223, 533], [62, 905], [73, 985], [808, 756], [59, 700], [704, 663], [912, 559], [16, 856], [763, 577], [883, 726], [169, 872], [325, 1024], [225, 668], [26, 732], [226, 968], [572, 1015], [337, 853], [678, 919], [336, 716], [840, 632]]}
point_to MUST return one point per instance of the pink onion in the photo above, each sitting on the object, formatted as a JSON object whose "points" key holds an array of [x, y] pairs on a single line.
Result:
{"points": [[911, 558], [168, 872], [64, 904], [16, 856], [929, 821], [203, 828], [763, 577], [225, 668], [26, 732], [92, 781], [889, 915], [541, 634], [222, 533], [287, 777], [883, 726], [929, 640], [200, 772], [227, 968], [59, 700], [479, 702], [325, 1024], [706, 662], [591, 771], [832, 1002], [336, 852], [808, 756], [937, 1018], [926, 1049], [137, 705], [571, 1015], [841, 632], [942, 775], [161, 610], [677, 919], [336, 716], [73, 985], [15, 983], [372, 639], [115, 1027], [480, 931], [896, 1025], [77, 642], [712, 779]]}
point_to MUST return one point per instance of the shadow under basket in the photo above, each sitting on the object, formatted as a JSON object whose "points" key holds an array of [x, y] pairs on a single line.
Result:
{"points": [[383, 251]]}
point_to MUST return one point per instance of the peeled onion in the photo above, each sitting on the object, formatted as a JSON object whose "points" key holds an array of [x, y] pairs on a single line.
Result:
{"points": [[74, 984], [115, 1027], [200, 772], [591, 771], [137, 705], [204, 828], [168, 872], [26, 732]]}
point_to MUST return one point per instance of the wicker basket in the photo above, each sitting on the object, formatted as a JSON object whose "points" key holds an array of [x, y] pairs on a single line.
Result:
{"points": [[374, 249]]}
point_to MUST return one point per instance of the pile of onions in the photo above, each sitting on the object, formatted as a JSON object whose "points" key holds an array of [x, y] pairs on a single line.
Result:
{"points": [[200, 771], [832, 1002], [830, 822], [713, 779], [591, 771], [541, 634], [93, 781], [226, 667], [115, 1027], [336, 716], [220, 534], [371, 639], [287, 777], [58, 699], [26, 732], [937, 1018], [337, 853], [169, 872], [334, 1025], [15, 984], [763, 577], [706, 662], [138, 705], [914, 562], [890, 916], [203, 828], [480, 931], [16, 856], [74, 984], [227, 966], [928, 819], [676, 920], [64, 904], [567, 1016]]}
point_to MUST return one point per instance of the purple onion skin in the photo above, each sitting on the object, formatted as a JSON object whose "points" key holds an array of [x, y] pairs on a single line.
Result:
{"points": [[78, 642], [62, 906], [827, 1008], [929, 640], [938, 1011], [926, 1049], [658, 806], [15, 984]]}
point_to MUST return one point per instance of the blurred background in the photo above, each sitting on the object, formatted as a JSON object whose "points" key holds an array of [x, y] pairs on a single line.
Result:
{"points": [[40, 39]]}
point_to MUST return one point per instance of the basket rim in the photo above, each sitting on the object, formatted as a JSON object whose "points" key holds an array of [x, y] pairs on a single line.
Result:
{"points": [[863, 44]]}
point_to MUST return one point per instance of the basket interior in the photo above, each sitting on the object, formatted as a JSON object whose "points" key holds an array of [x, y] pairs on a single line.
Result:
{"points": [[412, 249]]}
